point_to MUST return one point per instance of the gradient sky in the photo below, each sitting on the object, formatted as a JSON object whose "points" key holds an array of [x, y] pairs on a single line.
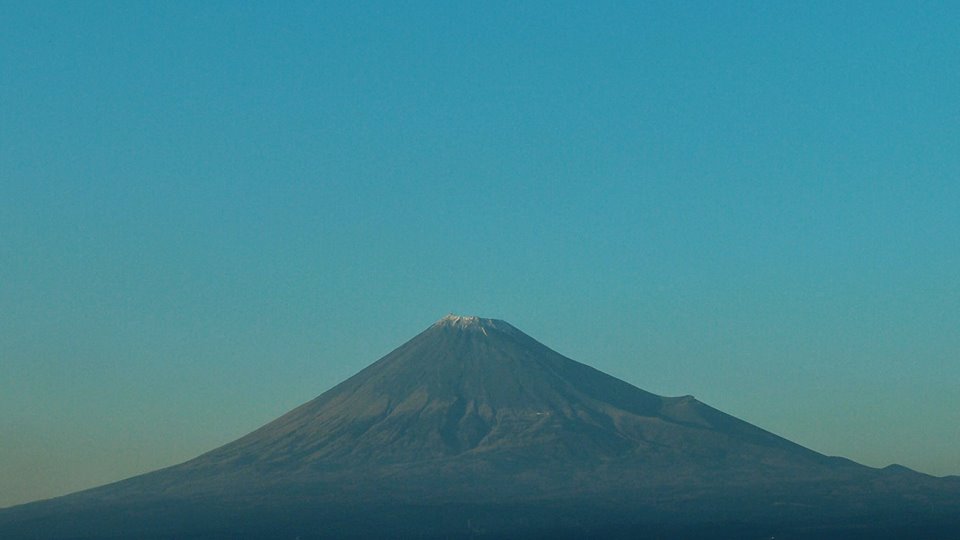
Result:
{"points": [[211, 213]]}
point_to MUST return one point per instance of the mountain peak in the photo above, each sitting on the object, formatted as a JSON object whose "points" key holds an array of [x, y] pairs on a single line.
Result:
{"points": [[471, 322], [453, 318]]}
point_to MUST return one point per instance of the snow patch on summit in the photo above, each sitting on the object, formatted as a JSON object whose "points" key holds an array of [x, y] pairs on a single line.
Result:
{"points": [[461, 321], [473, 323]]}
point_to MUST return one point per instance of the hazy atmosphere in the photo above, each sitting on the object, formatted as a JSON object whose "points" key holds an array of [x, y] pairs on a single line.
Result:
{"points": [[211, 213]]}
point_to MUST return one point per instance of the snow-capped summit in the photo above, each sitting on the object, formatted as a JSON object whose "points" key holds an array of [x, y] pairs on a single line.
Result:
{"points": [[474, 323], [460, 320]]}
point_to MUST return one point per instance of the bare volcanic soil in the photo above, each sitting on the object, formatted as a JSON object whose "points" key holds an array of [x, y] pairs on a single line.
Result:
{"points": [[474, 429]]}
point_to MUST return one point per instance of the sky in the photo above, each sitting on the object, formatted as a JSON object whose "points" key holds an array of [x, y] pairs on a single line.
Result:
{"points": [[213, 212]]}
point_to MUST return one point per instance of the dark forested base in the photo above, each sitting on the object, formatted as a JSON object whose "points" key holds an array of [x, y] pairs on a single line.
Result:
{"points": [[184, 520]]}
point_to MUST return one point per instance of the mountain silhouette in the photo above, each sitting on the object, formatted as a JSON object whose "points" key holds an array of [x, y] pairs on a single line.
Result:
{"points": [[475, 429]]}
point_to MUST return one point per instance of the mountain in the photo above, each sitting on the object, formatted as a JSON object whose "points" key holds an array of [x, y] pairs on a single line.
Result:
{"points": [[474, 429]]}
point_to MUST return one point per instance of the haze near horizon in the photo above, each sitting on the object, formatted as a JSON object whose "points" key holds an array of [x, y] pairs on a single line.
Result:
{"points": [[210, 214]]}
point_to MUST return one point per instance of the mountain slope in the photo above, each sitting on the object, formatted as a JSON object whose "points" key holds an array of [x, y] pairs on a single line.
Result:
{"points": [[479, 388]]}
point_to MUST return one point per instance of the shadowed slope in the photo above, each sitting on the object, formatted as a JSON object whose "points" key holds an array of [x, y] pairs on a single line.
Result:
{"points": [[471, 386]]}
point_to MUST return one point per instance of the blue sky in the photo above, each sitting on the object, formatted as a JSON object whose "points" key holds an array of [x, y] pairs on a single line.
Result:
{"points": [[211, 213]]}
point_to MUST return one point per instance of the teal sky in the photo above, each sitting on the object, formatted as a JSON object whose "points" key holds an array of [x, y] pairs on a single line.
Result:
{"points": [[211, 212]]}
